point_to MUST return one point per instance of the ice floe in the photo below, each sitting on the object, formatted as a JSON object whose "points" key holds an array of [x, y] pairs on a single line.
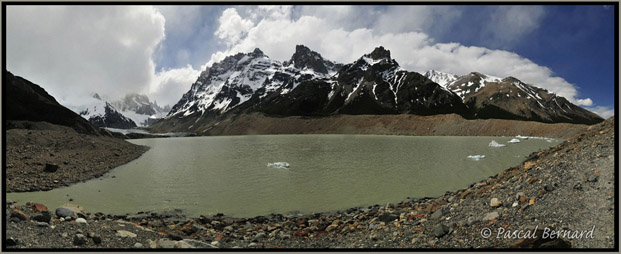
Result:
{"points": [[495, 144], [278, 165], [549, 140], [476, 157], [513, 141]]}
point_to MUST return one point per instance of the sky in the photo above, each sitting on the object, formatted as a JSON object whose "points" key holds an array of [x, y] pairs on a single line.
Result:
{"points": [[74, 51]]}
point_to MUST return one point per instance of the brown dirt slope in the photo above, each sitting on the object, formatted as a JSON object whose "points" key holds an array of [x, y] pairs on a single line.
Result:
{"points": [[437, 125], [78, 156]]}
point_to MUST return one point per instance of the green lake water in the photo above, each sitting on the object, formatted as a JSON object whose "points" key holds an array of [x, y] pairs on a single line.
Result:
{"points": [[229, 174]]}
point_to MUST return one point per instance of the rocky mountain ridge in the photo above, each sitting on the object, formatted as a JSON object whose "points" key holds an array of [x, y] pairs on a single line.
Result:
{"points": [[308, 85]]}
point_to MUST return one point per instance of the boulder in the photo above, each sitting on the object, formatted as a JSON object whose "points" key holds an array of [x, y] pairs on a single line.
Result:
{"points": [[64, 212], [44, 216], [79, 239], [50, 168], [388, 217], [77, 211], [16, 213], [440, 230]]}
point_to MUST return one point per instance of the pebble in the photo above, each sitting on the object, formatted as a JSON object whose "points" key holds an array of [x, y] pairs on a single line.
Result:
{"points": [[79, 239], [125, 233], [81, 221], [593, 178], [174, 236], [138, 245], [42, 224], [260, 236], [437, 214], [252, 245], [495, 202]]}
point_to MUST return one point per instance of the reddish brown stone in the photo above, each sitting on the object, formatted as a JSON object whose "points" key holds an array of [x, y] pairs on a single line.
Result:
{"points": [[300, 233]]}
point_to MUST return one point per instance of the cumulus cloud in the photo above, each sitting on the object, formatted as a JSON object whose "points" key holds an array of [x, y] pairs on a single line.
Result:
{"points": [[173, 82], [414, 50], [74, 51], [232, 26]]}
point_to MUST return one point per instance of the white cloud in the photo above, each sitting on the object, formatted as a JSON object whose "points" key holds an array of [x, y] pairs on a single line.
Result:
{"points": [[604, 112], [232, 26], [171, 82], [584, 102], [414, 50], [74, 51]]}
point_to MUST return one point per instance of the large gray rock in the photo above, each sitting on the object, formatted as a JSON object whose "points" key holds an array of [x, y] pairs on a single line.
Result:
{"points": [[64, 212], [440, 230], [77, 210]]}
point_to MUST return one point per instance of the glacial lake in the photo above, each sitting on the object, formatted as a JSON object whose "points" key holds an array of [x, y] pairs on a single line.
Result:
{"points": [[229, 174]]}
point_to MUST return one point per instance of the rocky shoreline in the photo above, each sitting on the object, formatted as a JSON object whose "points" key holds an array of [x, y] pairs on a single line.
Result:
{"points": [[44, 159], [568, 188]]}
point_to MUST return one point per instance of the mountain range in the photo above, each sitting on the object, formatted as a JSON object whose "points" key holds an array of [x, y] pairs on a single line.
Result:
{"points": [[128, 112], [309, 85]]}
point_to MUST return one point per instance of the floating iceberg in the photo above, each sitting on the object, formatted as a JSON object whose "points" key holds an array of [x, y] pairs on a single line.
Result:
{"points": [[278, 165], [476, 157], [495, 144], [513, 141], [528, 137]]}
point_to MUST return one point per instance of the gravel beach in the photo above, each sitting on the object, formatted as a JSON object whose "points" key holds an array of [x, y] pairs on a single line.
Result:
{"points": [[39, 160]]}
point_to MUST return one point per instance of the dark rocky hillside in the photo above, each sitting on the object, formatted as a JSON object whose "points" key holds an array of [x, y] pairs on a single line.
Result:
{"points": [[25, 101]]}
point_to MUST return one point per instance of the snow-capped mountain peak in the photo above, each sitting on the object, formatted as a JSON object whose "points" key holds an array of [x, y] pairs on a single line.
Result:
{"points": [[441, 78], [237, 78], [140, 109], [101, 113]]}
